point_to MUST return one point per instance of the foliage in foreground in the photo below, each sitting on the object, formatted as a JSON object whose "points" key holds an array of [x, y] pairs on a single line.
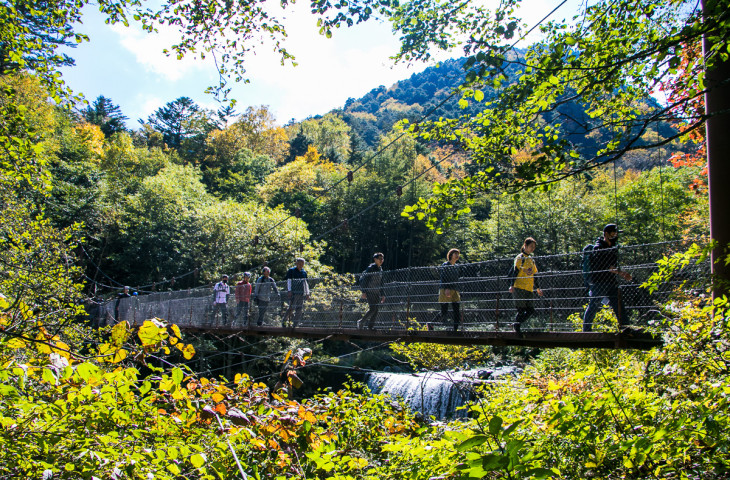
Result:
{"points": [[115, 413]]}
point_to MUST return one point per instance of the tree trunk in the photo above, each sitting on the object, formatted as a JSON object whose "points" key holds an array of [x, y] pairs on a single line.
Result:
{"points": [[717, 105]]}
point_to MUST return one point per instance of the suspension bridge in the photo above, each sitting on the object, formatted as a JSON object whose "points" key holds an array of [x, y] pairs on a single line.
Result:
{"points": [[411, 313]]}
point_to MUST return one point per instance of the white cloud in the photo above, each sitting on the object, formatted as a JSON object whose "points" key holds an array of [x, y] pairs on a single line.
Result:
{"points": [[147, 49], [329, 71]]}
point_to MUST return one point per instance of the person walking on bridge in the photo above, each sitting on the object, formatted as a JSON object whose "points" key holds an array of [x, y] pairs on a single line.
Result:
{"points": [[243, 298], [297, 291], [449, 274], [371, 283], [221, 290], [120, 296], [603, 281], [523, 282], [263, 293]]}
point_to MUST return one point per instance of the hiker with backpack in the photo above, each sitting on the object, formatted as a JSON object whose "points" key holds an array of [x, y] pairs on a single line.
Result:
{"points": [[371, 283], [522, 283], [297, 290], [601, 272]]}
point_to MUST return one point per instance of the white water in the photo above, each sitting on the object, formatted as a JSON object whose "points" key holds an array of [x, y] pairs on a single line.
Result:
{"points": [[436, 394]]}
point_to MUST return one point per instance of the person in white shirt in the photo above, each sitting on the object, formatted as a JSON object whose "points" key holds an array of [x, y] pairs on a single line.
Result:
{"points": [[221, 290]]}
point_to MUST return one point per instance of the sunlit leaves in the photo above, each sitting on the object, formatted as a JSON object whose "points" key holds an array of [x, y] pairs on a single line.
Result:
{"points": [[120, 333], [152, 333]]}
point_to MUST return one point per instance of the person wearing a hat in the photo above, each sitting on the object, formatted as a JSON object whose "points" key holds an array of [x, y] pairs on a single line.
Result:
{"points": [[221, 290], [243, 297], [604, 278]]}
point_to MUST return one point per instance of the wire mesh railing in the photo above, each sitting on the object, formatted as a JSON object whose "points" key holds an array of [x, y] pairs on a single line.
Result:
{"points": [[411, 298]]}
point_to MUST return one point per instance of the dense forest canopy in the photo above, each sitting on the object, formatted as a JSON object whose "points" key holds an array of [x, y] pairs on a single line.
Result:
{"points": [[567, 126], [190, 187]]}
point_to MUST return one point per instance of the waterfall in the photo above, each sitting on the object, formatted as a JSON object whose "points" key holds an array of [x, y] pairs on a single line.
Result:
{"points": [[436, 394]]}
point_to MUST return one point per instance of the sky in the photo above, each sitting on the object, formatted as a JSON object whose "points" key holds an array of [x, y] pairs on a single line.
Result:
{"points": [[127, 65]]}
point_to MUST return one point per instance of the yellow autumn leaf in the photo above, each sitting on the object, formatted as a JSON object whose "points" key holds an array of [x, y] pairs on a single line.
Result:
{"points": [[62, 349], [120, 333], [188, 352], [119, 355], [357, 463], [42, 347], [152, 332], [217, 397], [176, 330], [258, 443], [305, 415], [16, 343]]}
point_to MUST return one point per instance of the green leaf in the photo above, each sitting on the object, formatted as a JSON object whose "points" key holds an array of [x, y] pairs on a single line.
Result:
{"points": [[495, 425], [472, 442], [177, 376], [493, 461], [48, 376], [540, 473], [511, 428], [198, 460], [146, 386]]}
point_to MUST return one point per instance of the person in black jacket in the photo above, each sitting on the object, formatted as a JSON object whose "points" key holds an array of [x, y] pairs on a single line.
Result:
{"points": [[264, 292], [120, 296], [297, 291], [371, 283], [604, 278], [449, 287]]}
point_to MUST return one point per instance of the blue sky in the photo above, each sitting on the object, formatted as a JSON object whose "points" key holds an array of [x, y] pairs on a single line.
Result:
{"points": [[128, 66]]}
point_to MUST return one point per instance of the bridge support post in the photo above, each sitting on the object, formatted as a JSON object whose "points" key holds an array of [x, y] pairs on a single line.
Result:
{"points": [[191, 308], [496, 312], [619, 314], [408, 311], [551, 316]]}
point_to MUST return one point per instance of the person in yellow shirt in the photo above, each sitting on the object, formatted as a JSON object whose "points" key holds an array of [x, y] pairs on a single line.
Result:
{"points": [[523, 282]]}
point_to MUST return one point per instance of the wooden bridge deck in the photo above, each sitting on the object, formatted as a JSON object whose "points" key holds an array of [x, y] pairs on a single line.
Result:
{"points": [[632, 339]]}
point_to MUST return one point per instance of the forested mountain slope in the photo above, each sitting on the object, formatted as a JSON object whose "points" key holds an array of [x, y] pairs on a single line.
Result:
{"points": [[429, 95]]}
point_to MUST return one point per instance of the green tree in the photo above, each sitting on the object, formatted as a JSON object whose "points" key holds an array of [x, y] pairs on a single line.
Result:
{"points": [[158, 225], [183, 124], [330, 135], [107, 116]]}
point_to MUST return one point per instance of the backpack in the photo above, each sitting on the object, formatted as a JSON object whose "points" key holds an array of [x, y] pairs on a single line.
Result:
{"points": [[363, 280], [512, 272], [585, 264]]}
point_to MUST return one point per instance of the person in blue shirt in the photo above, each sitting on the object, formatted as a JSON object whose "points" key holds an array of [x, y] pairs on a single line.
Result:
{"points": [[297, 291]]}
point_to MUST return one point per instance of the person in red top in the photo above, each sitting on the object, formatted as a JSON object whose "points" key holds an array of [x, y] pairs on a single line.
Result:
{"points": [[243, 298]]}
